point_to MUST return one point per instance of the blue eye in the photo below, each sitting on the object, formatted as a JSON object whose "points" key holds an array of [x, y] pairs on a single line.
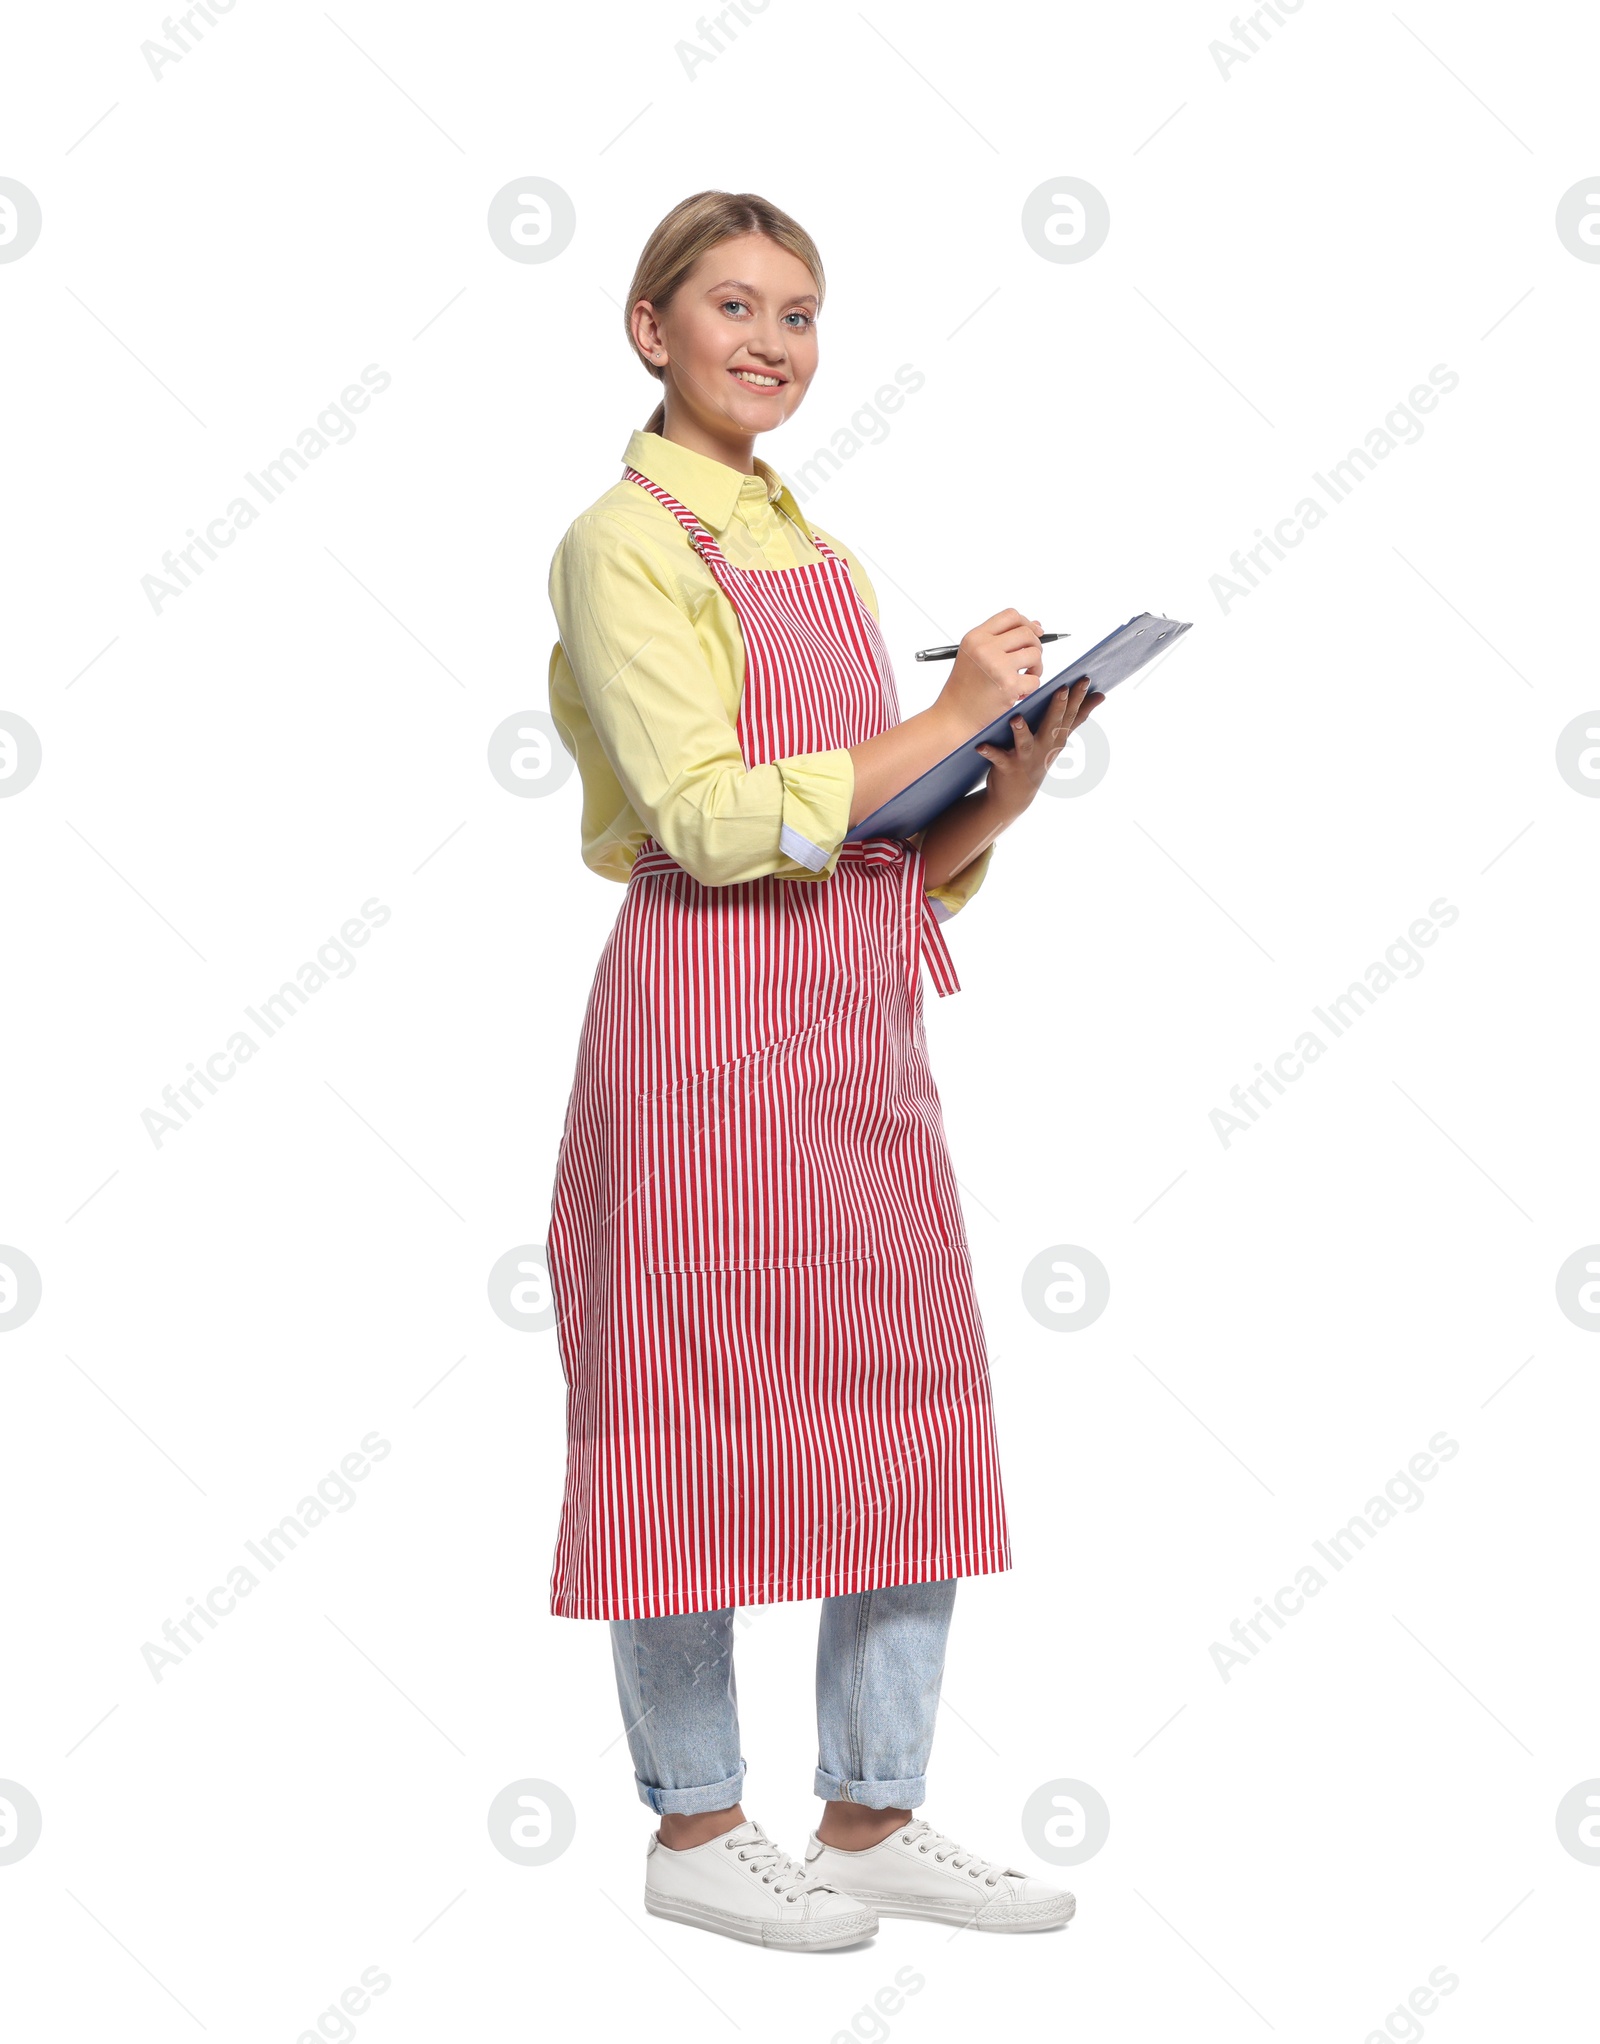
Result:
{"points": [[807, 319]]}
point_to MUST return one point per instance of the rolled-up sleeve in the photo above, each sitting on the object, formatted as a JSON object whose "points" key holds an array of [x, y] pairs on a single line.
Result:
{"points": [[652, 701], [957, 892]]}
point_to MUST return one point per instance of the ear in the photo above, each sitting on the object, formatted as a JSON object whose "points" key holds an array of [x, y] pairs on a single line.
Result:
{"points": [[647, 332]]}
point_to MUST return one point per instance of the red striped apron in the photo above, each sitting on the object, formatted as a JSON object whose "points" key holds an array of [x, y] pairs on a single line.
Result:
{"points": [[776, 1379]]}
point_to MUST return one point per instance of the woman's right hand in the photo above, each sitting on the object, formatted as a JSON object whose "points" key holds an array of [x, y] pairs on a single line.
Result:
{"points": [[998, 663]]}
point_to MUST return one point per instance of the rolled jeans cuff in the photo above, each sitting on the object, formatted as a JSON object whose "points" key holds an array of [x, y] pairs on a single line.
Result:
{"points": [[692, 1802], [873, 1795]]}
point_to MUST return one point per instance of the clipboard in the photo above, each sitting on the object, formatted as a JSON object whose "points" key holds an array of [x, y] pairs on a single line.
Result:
{"points": [[1119, 654]]}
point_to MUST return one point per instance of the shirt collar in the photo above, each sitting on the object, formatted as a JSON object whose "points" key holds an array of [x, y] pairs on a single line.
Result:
{"points": [[710, 489]]}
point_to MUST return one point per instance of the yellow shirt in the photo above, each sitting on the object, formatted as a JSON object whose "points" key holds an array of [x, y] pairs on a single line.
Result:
{"points": [[647, 676]]}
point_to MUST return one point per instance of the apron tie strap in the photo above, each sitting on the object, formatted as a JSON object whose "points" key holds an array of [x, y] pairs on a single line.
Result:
{"points": [[936, 952], [888, 851], [867, 851]]}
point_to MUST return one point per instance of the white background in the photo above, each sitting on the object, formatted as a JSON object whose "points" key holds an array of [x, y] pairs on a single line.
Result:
{"points": [[1292, 1316]]}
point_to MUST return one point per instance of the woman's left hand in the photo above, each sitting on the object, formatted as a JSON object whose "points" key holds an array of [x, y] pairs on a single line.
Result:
{"points": [[1015, 777]]}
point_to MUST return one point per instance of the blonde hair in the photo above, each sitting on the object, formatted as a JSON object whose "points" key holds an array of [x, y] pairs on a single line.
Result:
{"points": [[694, 227]]}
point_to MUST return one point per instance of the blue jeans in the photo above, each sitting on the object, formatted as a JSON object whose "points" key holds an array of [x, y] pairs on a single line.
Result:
{"points": [[880, 1657]]}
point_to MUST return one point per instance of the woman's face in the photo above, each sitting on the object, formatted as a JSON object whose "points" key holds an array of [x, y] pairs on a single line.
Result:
{"points": [[738, 339]]}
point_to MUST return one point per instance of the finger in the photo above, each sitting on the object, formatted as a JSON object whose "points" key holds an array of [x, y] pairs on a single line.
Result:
{"points": [[1017, 679], [1087, 708], [1021, 640], [1015, 621], [1080, 695], [1058, 718]]}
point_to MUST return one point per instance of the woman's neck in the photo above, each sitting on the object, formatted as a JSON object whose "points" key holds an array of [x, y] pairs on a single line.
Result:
{"points": [[735, 451]]}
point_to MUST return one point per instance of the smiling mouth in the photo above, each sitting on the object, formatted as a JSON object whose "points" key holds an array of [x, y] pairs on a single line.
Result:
{"points": [[758, 379]]}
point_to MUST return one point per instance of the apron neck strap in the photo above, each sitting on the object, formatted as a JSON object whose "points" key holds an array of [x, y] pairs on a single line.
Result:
{"points": [[699, 538]]}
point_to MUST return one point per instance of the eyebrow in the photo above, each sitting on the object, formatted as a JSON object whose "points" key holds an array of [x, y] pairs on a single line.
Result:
{"points": [[738, 284]]}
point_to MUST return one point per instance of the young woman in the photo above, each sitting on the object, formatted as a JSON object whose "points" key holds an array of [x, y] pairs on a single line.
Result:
{"points": [[777, 1385]]}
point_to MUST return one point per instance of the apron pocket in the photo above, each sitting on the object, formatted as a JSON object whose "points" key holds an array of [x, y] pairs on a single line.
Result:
{"points": [[761, 1163]]}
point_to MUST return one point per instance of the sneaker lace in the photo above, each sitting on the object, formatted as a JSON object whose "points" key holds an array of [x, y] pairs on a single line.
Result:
{"points": [[923, 1836], [786, 1876]]}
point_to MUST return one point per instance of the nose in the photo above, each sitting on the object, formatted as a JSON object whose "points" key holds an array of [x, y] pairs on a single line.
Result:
{"points": [[765, 338]]}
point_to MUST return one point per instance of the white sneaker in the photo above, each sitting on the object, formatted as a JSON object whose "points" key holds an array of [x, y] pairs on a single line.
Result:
{"points": [[917, 1871], [744, 1886]]}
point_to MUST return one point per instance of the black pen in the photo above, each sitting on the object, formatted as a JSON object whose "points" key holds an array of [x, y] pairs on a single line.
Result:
{"points": [[950, 652]]}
